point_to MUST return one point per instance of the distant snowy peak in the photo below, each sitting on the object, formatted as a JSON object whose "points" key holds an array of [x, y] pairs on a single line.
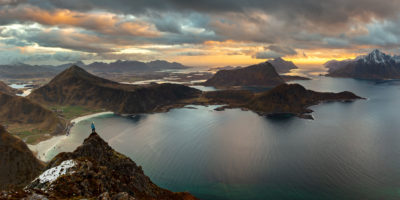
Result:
{"points": [[376, 66], [378, 57], [375, 58]]}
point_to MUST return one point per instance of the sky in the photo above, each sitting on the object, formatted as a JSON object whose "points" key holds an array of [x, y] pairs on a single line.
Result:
{"points": [[210, 33]]}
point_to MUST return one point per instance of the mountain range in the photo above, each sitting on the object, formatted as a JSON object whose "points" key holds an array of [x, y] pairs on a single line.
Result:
{"points": [[22, 70], [132, 66], [375, 65], [76, 86], [26, 71]]}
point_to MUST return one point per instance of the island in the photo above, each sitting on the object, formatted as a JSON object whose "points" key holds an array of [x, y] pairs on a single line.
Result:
{"points": [[262, 75], [283, 100]]}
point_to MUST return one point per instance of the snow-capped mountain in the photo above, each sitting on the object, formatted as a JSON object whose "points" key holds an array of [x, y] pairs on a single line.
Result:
{"points": [[377, 57], [375, 65]]}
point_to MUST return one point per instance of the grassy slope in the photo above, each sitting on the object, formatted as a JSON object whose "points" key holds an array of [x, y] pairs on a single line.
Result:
{"points": [[28, 120]]}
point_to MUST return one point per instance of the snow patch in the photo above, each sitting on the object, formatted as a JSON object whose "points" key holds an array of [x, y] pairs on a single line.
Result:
{"points": [[53, 173], [377, 57]]}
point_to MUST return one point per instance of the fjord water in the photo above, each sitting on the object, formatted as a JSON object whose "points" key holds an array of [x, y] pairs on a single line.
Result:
{"points": [[350, 150]]}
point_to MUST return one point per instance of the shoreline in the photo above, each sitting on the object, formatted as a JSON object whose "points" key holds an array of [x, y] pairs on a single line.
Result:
{"points": [[41, 149], [85, 117]]}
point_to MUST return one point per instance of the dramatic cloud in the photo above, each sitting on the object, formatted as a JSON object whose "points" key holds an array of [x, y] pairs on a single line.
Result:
{"points": [[274, 51], [234, 30], [105, 23], [11, 2]]}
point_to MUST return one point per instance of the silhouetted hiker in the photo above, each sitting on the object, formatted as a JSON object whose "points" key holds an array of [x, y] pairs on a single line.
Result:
{"points": [[93, 128]]}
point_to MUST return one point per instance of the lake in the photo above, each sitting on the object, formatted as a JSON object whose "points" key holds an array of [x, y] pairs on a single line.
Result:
{"points": [[350, 150]]}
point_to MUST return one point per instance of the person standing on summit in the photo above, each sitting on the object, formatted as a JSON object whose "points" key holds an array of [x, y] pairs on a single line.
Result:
{"points": [[93, 127]]}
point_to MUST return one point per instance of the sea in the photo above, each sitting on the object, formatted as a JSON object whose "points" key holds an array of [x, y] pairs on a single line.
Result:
{"points": [[349, 151]]}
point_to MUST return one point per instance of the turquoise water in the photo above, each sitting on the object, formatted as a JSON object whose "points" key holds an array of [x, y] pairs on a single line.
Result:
{"points": [[350, 150], [18, 86]]}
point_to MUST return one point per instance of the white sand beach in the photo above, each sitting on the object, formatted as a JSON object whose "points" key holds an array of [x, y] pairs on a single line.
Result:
{"points": [[41, 149], [79, 119]]}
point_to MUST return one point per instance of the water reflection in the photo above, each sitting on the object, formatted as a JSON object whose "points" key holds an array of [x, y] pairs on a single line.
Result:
{"points": [[350, 150]]}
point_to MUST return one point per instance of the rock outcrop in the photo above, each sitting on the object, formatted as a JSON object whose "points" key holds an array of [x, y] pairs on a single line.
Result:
{"points": [[95, 170]]}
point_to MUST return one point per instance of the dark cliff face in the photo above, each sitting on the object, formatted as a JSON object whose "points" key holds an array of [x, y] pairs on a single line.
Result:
{"points": [[18, 166], [262, 74], [19, 110], [75, 86], [376, 65], [95, 169]]}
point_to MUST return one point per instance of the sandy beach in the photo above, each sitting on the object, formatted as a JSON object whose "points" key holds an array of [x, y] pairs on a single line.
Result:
{"points": [[41, 149], [79, 119]]}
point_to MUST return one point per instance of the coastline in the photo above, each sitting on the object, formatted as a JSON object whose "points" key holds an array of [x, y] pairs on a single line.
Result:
{"points": [[85, 117], [42, 148]]}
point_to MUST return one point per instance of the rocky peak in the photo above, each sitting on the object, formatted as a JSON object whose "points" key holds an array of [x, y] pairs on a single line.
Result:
{"points": [[376, 57], [75, 69], [79, 63], [93, 170], [75, 74], [95, 148]]}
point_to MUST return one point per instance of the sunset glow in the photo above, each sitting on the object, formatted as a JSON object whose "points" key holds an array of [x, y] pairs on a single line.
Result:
{"points": [[50, 32]]}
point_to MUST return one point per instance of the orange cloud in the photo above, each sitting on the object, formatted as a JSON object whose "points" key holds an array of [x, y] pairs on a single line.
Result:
{"points": [[230, 52], [101, 22]]}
